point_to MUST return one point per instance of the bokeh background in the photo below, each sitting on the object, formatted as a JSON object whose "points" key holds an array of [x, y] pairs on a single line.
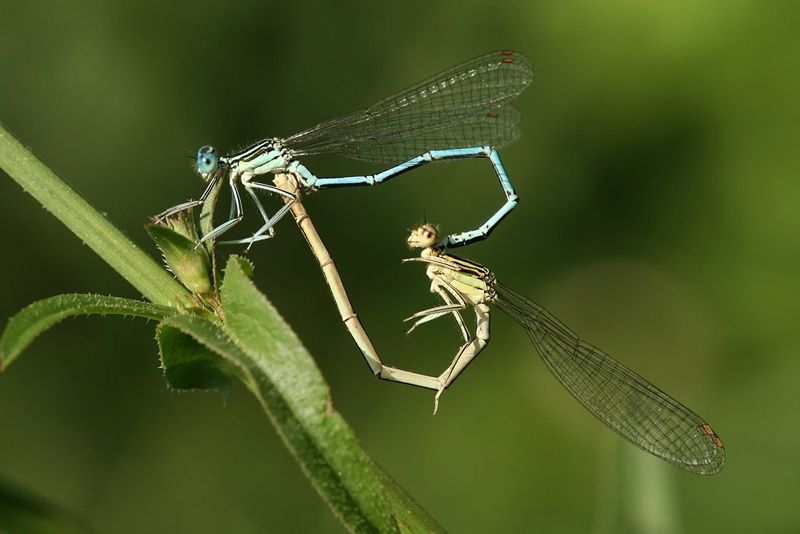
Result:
{"points": [[658, 176]]}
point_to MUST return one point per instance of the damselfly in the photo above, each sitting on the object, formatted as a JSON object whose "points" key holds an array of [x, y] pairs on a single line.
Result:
{"points": [[460, 113], [463, 112], [623, 400]]}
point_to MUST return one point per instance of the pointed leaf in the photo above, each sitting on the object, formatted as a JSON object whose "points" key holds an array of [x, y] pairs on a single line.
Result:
{"points": [[185, 259], [188, 365], [26, 325]]}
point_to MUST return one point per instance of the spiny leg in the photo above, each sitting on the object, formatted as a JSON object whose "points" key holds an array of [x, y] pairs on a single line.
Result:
{"points": [[433, 260], [457, 314], [269, 222], [186, 205], [261, 209], [176, 209], [257, 236], [234, 217], [435, 286], [430, 314]]}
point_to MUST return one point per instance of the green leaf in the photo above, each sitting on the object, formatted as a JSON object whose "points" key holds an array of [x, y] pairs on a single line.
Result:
{"points": [[26, 325], [257, 327], [284, 377], [188, 365], [185, 259]]}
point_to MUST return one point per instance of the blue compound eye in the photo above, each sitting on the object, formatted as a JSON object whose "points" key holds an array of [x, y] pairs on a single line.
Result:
{"points": [[207, 160]]}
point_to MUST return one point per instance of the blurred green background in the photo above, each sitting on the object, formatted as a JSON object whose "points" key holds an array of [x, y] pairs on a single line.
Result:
{"points": [[658, 218]]}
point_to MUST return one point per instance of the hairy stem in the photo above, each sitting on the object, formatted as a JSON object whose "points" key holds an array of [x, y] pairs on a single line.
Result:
{"points": [[88, 224]]}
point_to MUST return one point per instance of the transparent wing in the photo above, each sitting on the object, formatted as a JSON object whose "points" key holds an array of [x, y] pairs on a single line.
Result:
{"points": [[460, 107], [635, 408]]}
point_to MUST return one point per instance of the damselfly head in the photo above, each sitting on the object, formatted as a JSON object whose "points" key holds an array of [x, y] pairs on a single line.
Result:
{"points": [[207, 162], [423, 236]]}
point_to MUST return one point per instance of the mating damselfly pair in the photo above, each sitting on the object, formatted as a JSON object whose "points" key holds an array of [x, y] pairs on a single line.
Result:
{"points": [[463, 112]]}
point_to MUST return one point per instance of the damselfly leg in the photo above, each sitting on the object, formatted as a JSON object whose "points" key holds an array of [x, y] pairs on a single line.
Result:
{"points": [[267, 231]]}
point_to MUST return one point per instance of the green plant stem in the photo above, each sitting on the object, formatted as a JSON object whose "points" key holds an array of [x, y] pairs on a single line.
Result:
{"points": [[88, 224]]}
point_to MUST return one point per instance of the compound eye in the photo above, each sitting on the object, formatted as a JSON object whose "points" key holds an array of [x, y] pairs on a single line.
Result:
{"points": [[207, 160], [429, 232]]}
